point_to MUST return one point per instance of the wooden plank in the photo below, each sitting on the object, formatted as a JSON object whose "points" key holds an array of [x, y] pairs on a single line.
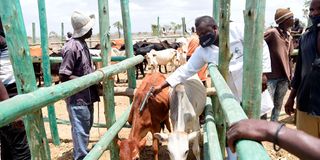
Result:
{"points": [[17, 42], [252, 58], [45, 66], [108, 83]]}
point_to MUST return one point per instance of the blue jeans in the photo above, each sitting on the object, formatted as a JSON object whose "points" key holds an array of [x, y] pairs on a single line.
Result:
{"points": [[81, 118], [278, 89]]}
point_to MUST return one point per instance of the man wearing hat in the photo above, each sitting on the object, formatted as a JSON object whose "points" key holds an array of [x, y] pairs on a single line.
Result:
{"points": [[305, 83], [77, 62], [280, 45]]}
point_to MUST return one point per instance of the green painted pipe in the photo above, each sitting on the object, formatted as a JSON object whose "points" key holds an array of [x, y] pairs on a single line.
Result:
{"points": [[252, 57], [94, 59], [128, 40], [33, 33], [158, 26], [108, 84], [107, 138], [216, 10], [246, 149], [183, 19], [62, 32], [212, 150], [45, 65], [27, 103]]}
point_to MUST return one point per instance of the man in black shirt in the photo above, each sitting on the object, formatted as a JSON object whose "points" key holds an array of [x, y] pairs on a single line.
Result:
{"points": [[305, 85]]}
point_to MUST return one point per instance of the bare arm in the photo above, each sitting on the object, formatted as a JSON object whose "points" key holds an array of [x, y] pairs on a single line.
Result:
{"points": [[3, 92], [296, 142]]}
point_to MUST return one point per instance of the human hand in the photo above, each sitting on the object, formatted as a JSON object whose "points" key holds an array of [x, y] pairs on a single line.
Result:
{"points": [[289, 106], [258, 130], [156, 90], [264, 82]]}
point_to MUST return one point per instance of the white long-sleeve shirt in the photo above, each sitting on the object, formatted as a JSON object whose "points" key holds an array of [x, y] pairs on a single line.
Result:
{"points": [[210, 54]]}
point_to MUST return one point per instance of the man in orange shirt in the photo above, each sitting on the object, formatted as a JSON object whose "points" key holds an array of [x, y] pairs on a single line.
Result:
{"points": [[192, 45]]}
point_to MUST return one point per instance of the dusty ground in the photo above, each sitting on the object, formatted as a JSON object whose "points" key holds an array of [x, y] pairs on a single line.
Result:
{"points": [[64, 151]]}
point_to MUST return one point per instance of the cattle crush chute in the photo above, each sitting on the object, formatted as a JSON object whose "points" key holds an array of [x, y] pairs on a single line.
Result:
{"points": [[220, 110]]}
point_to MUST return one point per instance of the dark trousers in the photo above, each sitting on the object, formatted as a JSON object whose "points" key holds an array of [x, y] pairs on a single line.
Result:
{"points": [[13, 139], [14, 145]]}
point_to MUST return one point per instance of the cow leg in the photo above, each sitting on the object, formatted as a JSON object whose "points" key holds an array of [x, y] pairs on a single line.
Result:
{"points": [[137, 71], [165, 69], [118, 79], [142, 70], [167, 123], [155, 144]]}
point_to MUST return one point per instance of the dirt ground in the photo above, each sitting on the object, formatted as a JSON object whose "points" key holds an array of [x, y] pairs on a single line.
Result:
{"points": [[64, 150]]}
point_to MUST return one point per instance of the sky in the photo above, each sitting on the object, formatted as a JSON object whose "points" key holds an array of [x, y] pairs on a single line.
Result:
{"points": [[143, 13]]}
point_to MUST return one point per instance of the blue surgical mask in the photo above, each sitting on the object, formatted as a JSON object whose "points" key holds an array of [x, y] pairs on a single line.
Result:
{"points": [[207, 40], [315, 19]]}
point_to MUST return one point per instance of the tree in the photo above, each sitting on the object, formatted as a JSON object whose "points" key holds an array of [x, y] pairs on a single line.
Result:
{"points": [[175, 27], [119, 26]]}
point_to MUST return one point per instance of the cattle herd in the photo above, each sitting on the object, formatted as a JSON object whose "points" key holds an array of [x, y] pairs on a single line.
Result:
{"points": [[157, 54]]}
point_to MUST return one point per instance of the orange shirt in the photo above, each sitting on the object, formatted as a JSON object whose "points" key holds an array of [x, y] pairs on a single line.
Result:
{"points": [[193, 44]]}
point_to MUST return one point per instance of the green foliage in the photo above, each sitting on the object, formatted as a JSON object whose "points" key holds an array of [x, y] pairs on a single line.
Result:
{"points": [[119, 27], [154, 29]]}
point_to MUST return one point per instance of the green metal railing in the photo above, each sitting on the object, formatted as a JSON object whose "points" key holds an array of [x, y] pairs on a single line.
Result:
{"points": [[107, 138], [211, 145], [27, 103], [233, 112]]}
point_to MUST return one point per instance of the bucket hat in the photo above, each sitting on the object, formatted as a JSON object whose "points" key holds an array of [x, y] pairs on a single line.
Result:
{"points": [[81, 24]]}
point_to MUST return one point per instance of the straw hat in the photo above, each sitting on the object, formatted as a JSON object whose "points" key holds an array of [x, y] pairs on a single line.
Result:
{"points": [[81, 24], [282, 14]]}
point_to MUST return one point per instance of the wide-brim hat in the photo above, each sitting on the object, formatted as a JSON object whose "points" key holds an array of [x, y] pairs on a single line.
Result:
{"points": [[81, 24]]}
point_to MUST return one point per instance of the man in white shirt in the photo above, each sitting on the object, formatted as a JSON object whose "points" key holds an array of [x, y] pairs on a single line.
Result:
{"points": [[208, 52]]}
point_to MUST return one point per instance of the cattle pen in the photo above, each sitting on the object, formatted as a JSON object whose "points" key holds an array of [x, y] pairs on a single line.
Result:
{"points": [[221, 110]]}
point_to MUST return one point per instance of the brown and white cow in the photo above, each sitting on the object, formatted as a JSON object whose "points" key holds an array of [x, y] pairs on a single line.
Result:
{"points": [[187, 102], [155, 111]]}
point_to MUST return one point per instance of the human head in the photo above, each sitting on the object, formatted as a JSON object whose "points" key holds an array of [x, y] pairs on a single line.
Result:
{"points": [[284, 18], [82, 25], [206, 27], [314, 12], [296, 21]]}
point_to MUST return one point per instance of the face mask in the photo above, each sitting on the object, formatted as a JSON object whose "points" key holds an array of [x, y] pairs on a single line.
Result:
{"points": [[315, 20], [207, 40]]}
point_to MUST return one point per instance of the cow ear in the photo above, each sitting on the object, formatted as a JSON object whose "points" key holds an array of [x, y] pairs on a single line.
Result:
{"points": [[193, 135], [142, 143], [162, 137]]}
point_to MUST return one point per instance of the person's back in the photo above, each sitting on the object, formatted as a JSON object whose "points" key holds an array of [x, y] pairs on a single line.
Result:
{"points": [[13, 137], [280, 45]]}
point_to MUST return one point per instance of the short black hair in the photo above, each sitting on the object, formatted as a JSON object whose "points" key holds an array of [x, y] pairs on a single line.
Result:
{"points": [[206, 19]]}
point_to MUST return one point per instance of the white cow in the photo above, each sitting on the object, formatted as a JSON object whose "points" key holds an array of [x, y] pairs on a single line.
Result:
{"points": [[187, 102], [163, 57]]}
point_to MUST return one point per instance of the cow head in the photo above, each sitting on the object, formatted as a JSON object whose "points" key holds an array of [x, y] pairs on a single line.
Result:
{"points": [[178, 143], [130, 149]]}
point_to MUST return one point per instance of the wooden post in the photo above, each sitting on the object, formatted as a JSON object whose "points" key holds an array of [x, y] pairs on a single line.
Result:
{"points": [[252, 59], [216, 10], [224, 59], [128, 40], [45, 65], [34, 33], [108, 83], [16, 38], [62, 32], [158, 26], [183, 26]]}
